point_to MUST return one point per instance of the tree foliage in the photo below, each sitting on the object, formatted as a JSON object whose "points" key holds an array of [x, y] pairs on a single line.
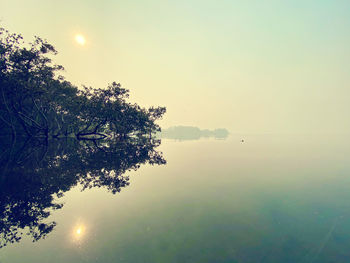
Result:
{"points": [[35, 100], [37, 105]]}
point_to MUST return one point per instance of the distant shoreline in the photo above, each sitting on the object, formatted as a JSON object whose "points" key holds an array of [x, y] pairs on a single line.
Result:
{"points": [[192, 133]]}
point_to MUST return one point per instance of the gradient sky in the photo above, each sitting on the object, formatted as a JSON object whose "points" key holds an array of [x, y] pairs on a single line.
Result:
{"points": [[249, 66]]}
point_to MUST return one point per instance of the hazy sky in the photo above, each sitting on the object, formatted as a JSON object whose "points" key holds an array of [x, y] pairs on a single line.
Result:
{"points": [[249, 66]]}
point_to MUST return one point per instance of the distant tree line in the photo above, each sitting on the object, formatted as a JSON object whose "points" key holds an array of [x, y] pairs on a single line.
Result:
{"points": [[36, 101], [192, 133]]}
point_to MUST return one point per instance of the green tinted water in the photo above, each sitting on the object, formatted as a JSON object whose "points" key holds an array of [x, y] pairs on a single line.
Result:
{"points": [[267, 199]]}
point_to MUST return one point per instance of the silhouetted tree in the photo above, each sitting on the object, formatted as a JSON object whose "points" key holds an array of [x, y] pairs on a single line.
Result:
{"points": [[36, 169], [36, 101]]}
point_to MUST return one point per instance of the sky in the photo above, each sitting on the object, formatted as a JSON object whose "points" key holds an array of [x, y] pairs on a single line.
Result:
{"points": [[249, 66]]}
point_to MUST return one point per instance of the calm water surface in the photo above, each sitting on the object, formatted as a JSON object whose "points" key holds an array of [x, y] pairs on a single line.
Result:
{"points": [[271, 198]]}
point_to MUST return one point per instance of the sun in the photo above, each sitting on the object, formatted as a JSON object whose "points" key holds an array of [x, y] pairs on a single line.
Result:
{"points": [[80, 39]]}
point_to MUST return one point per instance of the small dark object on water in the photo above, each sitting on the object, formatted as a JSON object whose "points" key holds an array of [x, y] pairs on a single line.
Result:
{"points": [[242, 140]]}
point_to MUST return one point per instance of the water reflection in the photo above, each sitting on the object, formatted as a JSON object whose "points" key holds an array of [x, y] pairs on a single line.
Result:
{"points": [[79, 232], [35, 173]]}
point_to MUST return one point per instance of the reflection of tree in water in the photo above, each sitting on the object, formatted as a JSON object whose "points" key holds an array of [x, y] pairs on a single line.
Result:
{"points": [[34, 173]]}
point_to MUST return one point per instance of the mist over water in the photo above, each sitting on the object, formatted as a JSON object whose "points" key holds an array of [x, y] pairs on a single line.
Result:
{"points": [[251, 165], [268, 199]]}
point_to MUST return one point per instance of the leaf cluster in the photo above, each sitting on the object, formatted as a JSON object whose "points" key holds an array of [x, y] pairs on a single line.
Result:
{"points": [[36, 101]]}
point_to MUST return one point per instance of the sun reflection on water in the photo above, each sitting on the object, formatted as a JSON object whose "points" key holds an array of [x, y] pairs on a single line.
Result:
{"points": [[79, 232]]}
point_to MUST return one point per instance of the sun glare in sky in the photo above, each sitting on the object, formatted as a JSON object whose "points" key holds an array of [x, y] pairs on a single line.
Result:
{"points": [[80, 39]]}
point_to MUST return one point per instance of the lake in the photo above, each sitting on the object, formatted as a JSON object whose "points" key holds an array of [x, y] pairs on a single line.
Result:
{"points": [[270, 198]]}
